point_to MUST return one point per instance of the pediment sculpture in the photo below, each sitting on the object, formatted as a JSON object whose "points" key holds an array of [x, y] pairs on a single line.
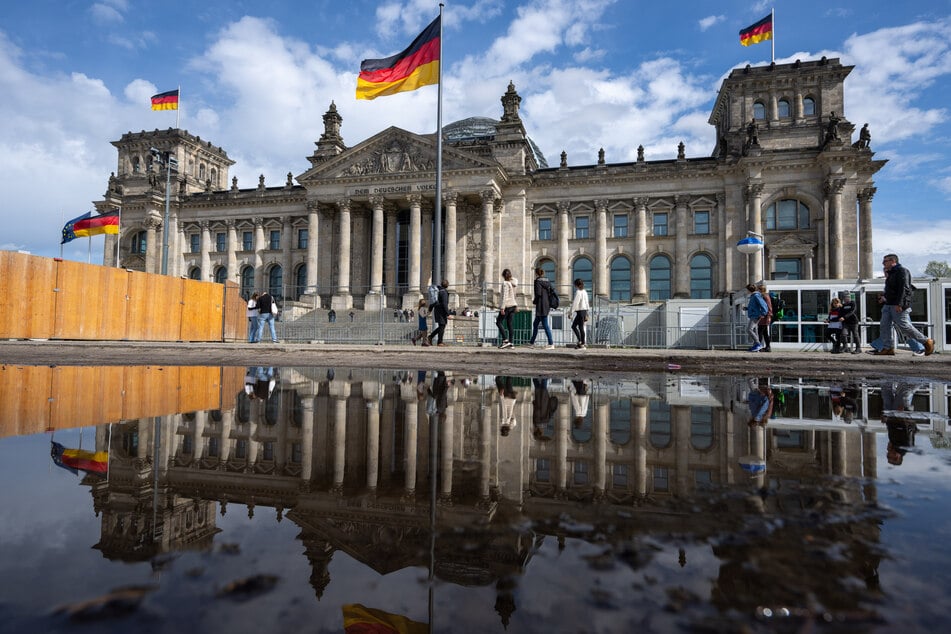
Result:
{"points": [[396, 157]]}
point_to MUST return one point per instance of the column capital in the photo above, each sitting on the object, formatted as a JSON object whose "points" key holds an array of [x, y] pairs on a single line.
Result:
{"points": [[414, 199], [204, 224], [258, 221], [488, 196], [313, 206], [563, 206], [601, 204], [753, 189], [498, 205], [681, 200], [834, 186], [377, 201], [450, 197], [343, 204], [721, 199], [231, 223], [866, 195], [641, 201]]}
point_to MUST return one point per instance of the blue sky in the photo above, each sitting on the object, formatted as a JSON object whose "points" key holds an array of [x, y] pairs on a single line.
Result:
{"points": [[256, 78]]}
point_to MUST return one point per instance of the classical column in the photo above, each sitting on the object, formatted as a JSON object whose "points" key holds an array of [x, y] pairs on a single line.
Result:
{"points": [[342, 299], [426, 246], [866, 263], [313, 229], [259, 245], [639, 437], [205, 250], [232, 275], [410, 435], [389, 272], [808, 266], [449, 264], [488, 237], [227, 424], [371, 397], [836, 252], [682, 257], [287, 265], [374, 298], [680, 422], [602, 414], [563, 276], [307, 438], [754, 198], [485, 457], [640, 249], [153, 253], [175, 259], [560, 459], [414, 264], [446, 434], [600, 250], [725, 264], [339, 392]]}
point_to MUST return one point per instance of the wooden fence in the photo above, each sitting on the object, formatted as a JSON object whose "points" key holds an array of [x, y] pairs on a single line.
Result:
{"points": [[49, 298]]}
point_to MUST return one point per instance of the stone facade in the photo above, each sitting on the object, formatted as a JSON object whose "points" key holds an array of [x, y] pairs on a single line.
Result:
{"points": [[356, 230]]}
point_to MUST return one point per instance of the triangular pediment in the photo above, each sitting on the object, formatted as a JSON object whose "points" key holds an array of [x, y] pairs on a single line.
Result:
{"points": [[393, 152]]}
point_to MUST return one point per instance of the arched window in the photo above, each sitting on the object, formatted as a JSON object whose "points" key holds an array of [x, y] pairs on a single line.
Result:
{"points": [[701, 277], [214, 177], [221, 275], [275, 281], [582, 269], [139, 244], [783, 109], [808, 106], [621, 279], [759, 111], [136, 165], [301, 280], [549, 267], [659, 428], [247, 281], [787, 214], [201, 172], [194, 273], [701, 427], [659, 278]]}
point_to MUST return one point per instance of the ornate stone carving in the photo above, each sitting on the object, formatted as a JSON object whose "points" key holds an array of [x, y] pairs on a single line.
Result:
{"points": [[866, 195], [396, 158], [833, 186]]}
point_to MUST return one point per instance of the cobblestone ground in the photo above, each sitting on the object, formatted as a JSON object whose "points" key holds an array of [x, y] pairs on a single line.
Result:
{"points": [[525, 361]]}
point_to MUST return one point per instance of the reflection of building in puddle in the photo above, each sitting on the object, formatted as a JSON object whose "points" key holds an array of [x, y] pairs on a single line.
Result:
{"points": [[349, 460]]}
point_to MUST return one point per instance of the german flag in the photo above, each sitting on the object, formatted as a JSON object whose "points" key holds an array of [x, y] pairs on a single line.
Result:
{"points": [[759, 32], [359, 619], [415, 67], [165, 100]]}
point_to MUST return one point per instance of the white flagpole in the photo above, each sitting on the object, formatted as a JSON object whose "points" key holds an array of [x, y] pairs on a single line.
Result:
{"points": [[772, 19], [118, 235], [437, 256], [178, 110], [88, 249]]}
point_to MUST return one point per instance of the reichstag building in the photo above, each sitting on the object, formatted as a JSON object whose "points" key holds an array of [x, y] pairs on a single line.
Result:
{"points": [[356, 227]]}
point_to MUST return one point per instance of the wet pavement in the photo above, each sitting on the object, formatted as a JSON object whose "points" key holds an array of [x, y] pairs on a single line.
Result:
{"points": [[166, 498]]}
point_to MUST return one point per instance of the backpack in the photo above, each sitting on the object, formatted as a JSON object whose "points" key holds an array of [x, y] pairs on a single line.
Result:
{"points": [[553, 300], [432, 295], [779, 306]]}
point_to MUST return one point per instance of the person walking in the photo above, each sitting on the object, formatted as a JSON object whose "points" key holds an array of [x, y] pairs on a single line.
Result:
{"points": [[267, 309], [755, 309], [848, 315], [253, 318], [834, 327], [507, 309], [541, 300], [440, 312], [579, 308], [762, 329], [896, 308], [421, 326]]}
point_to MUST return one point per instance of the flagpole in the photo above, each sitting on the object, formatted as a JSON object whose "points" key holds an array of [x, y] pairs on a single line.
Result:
{"points": [[437, 256], [178, 110], [89, 250], [118, 236], [772, 19], [62, 216]]}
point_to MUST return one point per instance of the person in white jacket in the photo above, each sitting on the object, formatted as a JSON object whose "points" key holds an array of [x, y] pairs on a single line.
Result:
{"points": [[579, 308], [507, 308]]}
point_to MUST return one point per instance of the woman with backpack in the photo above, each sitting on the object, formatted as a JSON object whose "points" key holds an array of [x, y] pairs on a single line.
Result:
{"points": [[579, 308], [766, 320], [542, 301], [507, 308]]}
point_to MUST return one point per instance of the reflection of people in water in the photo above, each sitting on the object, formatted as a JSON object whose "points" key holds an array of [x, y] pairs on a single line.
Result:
{"points": [[544, 406], [897, 397], [901, 437], [507, 399], [761, 401], [578, 392], [259, 382]]}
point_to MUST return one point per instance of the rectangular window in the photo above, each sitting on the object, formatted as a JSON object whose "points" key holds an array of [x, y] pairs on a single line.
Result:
{"points": [[660, 224], [620, 225], [247, 241], [220, 245], [297, 453], [543, 470], [302, 236], [581, 473], [581, 227], [619, 478], [787, 269], [544, 228], [661, 481], [701, 222], [195, 241], [213, 447], [275, 242], [268, 448]]}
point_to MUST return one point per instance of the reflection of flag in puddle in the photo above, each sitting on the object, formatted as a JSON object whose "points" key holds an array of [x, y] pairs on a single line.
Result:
{"points": [[77, 460], [359, 619]]}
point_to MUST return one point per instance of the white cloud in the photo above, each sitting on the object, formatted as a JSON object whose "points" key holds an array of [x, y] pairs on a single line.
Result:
{"points": [[916, 243], [103, 13], [710, 20]]}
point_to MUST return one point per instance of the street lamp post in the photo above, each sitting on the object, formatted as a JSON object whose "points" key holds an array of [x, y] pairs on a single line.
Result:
{"points": [[753, 243], [169, 162]]}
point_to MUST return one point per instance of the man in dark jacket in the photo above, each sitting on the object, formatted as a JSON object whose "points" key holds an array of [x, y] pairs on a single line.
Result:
{"points": [[896, 308], [542, 303], [848, 315], [440, 312]]}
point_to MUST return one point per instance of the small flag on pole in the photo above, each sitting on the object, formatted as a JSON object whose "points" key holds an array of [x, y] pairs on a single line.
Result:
{"points": [[415, 67], [68, 232], [165, 100], [759, 32], [77, 460], [88, 225]]}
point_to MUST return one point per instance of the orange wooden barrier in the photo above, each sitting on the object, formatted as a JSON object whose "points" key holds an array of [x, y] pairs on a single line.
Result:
{"points": [[58, 299]]}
